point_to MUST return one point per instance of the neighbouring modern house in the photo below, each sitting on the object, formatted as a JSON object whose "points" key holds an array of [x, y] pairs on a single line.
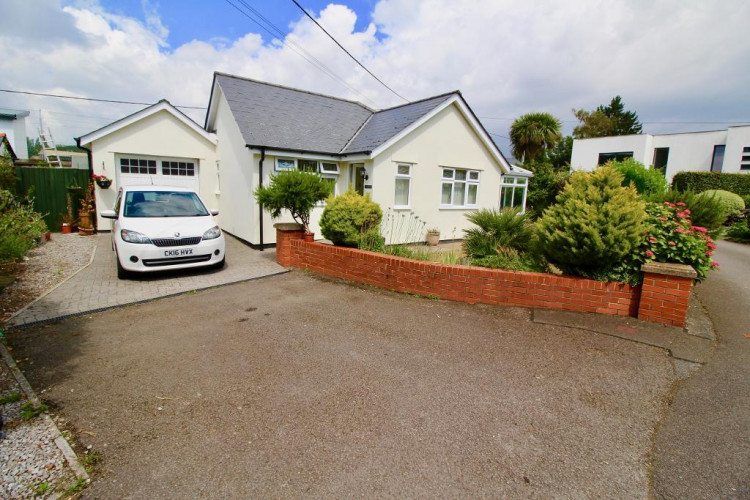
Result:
{"points": [[430, 158], [6, 148], [13, 125], [710, 151]]}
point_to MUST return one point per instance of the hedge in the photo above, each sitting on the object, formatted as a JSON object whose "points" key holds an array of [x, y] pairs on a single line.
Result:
{"points": [[703, 181]]}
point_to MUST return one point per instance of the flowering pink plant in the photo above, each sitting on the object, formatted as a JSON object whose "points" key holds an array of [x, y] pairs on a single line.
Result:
{"points": [[671, 237], [98, 177]]}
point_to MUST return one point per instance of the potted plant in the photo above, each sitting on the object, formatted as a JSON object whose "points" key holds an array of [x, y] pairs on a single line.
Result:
{"points": [[433, 236], [68, 221], [87, 208], [102, 181], [295, 191]]}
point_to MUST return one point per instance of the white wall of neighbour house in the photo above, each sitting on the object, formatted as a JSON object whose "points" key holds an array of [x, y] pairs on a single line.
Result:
{"points": [[238, 173], [690, 152], [586, 152], [158, 135], [738, 138], [445, 140], [15, 131]]}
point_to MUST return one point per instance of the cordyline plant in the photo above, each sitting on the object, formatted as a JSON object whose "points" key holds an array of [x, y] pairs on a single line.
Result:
{"points": [[295, 191]]}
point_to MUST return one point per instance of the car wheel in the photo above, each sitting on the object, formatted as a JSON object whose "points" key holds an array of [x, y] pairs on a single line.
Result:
{"points": [[122, 273]]}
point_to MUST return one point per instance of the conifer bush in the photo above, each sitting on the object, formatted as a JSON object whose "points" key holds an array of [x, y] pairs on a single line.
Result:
{"points": [[595, 223], [348, 217]]}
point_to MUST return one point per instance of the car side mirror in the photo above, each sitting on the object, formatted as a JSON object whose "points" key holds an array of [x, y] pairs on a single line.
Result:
{"points": [[108, 214], [214, 211]]}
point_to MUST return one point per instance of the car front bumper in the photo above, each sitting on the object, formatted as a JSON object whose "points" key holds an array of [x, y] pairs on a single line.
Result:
{"points": [[141, 258]]}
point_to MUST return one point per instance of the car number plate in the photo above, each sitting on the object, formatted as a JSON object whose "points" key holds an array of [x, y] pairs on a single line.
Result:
{"points": [[178, 253]]}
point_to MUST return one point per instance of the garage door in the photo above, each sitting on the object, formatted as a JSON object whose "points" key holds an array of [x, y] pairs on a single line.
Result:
{"points": [[135, 170]]}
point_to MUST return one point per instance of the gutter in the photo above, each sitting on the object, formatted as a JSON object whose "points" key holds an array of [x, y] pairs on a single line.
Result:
{"points": [[91, 171]]}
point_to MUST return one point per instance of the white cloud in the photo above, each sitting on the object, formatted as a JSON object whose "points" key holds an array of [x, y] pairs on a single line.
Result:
{"points": [[670, 59]]}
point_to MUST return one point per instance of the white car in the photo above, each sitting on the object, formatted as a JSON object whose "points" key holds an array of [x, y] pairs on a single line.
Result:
{"points": [[157, 228]]}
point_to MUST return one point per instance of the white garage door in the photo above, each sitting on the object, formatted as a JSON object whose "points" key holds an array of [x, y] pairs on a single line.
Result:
{"points": [[135, 170]]}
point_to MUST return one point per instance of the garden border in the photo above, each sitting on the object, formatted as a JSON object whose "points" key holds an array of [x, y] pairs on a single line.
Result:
{"points": [[663, 297]]}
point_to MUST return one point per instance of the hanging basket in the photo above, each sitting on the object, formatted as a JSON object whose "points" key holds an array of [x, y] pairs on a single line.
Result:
{"points": [[104, 183]]}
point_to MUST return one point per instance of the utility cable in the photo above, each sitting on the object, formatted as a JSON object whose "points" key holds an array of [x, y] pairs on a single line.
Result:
{"points": [[90, 98], [347, 52]]}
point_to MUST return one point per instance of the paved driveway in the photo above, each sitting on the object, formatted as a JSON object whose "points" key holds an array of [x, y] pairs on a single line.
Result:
{"points": [[294, 386], [96, 287]]}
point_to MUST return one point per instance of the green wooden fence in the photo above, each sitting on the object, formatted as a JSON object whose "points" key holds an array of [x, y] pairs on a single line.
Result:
{"points": [[51, 187]]}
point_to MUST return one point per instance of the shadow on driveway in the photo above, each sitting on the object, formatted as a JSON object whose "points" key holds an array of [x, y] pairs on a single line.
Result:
{"points": [[293, 386]]}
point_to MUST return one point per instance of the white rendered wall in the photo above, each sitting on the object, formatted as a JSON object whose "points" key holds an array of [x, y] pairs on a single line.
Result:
{"points": [[738, 138], [15, 131], [158, 135], [586, 151], [689, 152]]}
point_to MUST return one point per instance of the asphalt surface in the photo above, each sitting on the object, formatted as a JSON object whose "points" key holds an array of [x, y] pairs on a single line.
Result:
{"points": [[702, 449], [294, 386]]}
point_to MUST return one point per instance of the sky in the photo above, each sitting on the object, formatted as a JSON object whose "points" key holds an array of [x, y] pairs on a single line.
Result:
{"points": [[682, 65]]}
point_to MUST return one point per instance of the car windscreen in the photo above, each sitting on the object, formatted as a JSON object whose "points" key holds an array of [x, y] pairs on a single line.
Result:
{"points": [[163, 204]]}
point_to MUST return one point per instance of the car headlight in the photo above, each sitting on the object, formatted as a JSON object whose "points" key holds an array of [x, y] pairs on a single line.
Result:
{"points": [[134, 237], [212, 233]]}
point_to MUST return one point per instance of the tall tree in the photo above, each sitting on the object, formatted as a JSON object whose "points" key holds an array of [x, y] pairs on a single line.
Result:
{"points": [[607, 120], [534, 133]]}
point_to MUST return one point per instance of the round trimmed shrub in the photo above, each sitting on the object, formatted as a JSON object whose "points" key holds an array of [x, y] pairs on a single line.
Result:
{"points": [[595, 223], [348, 217], [731, 203]]}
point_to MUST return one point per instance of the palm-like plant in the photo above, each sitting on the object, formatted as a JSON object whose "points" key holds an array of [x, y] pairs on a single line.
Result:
{"points": [[507, 228], [533, 133]]}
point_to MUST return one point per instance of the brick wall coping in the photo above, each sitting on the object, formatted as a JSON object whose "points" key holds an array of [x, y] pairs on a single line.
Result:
{"points": [[669, 269], [288, 226]]}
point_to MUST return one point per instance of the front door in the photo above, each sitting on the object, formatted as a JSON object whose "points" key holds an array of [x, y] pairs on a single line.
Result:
{"points": [[358, 171]]}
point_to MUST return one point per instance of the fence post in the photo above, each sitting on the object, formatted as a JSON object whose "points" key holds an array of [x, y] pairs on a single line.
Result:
{"points": [[285, 233], [665, 293]]}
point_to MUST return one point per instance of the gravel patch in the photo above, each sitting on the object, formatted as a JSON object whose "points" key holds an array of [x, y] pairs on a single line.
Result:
{"points": [[46, 266], [31, 464]]}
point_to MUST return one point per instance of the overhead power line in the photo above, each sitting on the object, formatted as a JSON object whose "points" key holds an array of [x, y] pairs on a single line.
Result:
{"points": [[89, 98], [347, 52], [266, 25]]}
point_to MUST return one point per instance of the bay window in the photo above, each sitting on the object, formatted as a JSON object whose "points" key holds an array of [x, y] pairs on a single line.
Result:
{"points": [[513, 192]]}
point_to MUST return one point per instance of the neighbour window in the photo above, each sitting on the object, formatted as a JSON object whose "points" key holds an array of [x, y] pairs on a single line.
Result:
{"points": [[459, 187], [745, 163], [661, 156], [403, 184], [182, 168], [329, 168], [605, 157], [513, 192], [307, 165], [717, 160], [285, 164], [137, 166]]}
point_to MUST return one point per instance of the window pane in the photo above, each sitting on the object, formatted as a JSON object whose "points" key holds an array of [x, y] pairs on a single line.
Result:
{"points": [[460, 175], [459, 192], [404, 169], [402, 192], [474, 176], [520, 180], [445, 199], [518, 197], [447, 173], [506, 199], [282, 164], [307, 165], [472, 198], [329, 167]]}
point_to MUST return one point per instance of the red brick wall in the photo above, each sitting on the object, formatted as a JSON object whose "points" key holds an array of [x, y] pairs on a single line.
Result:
{"points": [[664, 299], [661, 299]]}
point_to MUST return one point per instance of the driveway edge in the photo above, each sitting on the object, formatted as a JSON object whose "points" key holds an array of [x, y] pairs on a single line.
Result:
{"points": [[60, 440]]}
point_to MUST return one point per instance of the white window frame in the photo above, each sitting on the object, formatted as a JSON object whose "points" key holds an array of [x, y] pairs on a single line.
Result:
{"points": [[285, 169], [324, 172], [745, 164], [514, 182], [467, 182], [408, 192]]}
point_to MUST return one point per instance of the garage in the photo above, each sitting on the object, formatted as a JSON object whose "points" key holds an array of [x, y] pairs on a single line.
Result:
{"points": [[140, 170], [158, 145]]}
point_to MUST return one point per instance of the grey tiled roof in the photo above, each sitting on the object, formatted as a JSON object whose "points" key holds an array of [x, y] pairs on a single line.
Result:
{"points": [[284, 118], [280, 117], [386, 123]]}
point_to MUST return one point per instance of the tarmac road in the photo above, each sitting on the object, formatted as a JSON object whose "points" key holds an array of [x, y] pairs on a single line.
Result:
{"points": [[294, 386], [702, 449]]}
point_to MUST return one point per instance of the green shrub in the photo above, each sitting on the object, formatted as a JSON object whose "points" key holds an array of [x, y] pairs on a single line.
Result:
{"points": [[295, 191], [732, 204], [595, 223], [8, 178], [703, 181], [544, 187], [507, 228], [348, 217], [705, 211], [647, 181], [509, 259], [739, 231], [20, 227], [672, 237]]}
